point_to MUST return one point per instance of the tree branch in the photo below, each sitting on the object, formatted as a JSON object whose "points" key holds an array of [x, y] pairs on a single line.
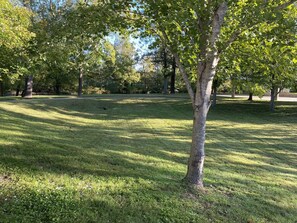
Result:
{"points": [[285, 5], [185, 78], [218, 22], [182, 69]]}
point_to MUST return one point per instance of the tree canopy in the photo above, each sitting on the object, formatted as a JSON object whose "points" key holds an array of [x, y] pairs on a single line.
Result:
{"points": [[15, 23]]}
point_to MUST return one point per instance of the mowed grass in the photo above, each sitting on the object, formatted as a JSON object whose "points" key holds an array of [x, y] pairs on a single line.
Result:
{"points": [[122, 158]]}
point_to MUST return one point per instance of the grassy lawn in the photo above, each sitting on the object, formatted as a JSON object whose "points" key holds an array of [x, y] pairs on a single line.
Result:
{"points": [[12, 98], [122, 158]]}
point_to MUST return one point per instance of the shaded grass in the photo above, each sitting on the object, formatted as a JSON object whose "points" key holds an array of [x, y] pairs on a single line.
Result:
{"points": [[121, 159]]}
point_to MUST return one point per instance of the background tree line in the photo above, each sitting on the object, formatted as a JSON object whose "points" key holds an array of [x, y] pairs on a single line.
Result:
{"points": [[65, 47], [71, 47]]}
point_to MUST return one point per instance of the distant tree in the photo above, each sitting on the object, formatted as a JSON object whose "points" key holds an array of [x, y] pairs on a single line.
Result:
{"points": [[151, 78], [264, 58], [117, 72]]}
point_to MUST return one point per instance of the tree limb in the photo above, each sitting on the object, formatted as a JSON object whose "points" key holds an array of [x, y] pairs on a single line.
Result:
{"points": [[182, 70], [218, 22], [185, 78]]}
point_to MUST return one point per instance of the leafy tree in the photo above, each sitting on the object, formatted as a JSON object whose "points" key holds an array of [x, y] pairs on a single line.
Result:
{"points": [[117, 73], [164, 58], [264, 58], [151, 77], [14, 38], [67, 43], [198, 32], [15, 22]]}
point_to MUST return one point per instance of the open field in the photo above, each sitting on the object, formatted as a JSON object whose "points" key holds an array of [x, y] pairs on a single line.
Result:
{"points": [[122, 158]]}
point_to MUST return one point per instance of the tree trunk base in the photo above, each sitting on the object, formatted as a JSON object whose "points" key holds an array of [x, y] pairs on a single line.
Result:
{"points": [[193, 186], [250, 97], [196, 184], [27, 97], [27, 93]]}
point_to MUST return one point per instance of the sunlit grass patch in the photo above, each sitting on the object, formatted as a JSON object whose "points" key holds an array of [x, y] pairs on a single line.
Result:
{"points": [[122, 159]]}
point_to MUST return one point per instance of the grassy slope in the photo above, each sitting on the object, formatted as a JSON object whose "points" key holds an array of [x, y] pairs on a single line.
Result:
{"points": [[73, 161]]}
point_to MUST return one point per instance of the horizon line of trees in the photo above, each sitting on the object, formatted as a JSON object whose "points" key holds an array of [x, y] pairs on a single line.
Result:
{"points": [[50, 47]]}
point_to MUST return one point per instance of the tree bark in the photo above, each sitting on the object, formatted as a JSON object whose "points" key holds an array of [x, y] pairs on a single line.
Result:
{"points": [[250, 96], [273, 93], [214, 94], [17, 92], [207, 65], [272, 99], [197, 154], [1, 88], [27, 93], [58, 87], [172, 81], [276, 94], [185, 78], [165, 74], [165, 85], [80, 83], [205, 72], [233, 92]]}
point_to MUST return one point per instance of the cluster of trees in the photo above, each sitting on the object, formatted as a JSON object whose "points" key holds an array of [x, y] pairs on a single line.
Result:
{"points": [[67, 47], [247, 44], [71, 47]]}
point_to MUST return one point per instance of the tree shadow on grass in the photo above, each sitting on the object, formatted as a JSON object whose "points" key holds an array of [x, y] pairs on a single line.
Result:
{"points": [[68, 139], [90, 141], [57, 145], [116, 108]]}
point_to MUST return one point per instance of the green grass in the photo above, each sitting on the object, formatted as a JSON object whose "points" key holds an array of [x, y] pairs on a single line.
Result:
{"points": [[35, 97], [122, 158]]}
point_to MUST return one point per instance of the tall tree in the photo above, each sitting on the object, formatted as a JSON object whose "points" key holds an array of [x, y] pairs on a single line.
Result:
{"points": [[14, 38], [198, 32]]}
